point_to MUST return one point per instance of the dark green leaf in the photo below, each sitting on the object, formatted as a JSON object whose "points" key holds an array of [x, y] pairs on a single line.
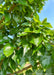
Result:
{"points": [[28, 72]]}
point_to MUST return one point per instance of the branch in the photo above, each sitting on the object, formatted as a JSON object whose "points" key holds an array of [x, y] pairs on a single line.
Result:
{"points": [[21, 70]]}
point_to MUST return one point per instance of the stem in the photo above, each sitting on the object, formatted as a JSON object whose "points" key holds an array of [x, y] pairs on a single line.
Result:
{"points": [[21, 70]]}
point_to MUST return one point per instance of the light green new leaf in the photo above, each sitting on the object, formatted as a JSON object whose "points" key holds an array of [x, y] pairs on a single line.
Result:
{"points": [[47, 25], [8, 50], [30, 1], [27, 30], [36, 17], [36, 31], [45, 20]]}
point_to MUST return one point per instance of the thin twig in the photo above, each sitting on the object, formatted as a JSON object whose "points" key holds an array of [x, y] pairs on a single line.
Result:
{"points": [[21, 70]]}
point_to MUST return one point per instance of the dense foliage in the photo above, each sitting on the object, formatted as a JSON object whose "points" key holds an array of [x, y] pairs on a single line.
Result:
{"points": [[24, 38]]}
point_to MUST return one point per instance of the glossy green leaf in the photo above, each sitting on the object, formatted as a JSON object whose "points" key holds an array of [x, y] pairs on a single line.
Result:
{"points": [[36, 17], [8, 50]]}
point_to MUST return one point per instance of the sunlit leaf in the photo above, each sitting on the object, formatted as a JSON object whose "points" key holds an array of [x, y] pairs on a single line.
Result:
{"points": [[8, 50]]}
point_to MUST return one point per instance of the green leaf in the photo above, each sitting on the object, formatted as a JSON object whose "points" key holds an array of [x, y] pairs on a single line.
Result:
{"points": [[28, 18], [35, 49], [28, 72], [36, 31], [31, 60], [26, 24], [44, 21], [48, 47], [46, 61], [1, 55], [22, 2], [36, 41], [22, 34], [36, 17], [1, 41], [5, 63], [5, 39], [53, 54], [50, 70], [9, 70], [3, 72], [14, 57], [13, 65], [47, 25], [30, 1], [7, 17], [21, 74], [34, 67], [39, 71], [22, 61], [1, 36], [8, 50], [15, 19], [26, 48], [27, 30]]}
